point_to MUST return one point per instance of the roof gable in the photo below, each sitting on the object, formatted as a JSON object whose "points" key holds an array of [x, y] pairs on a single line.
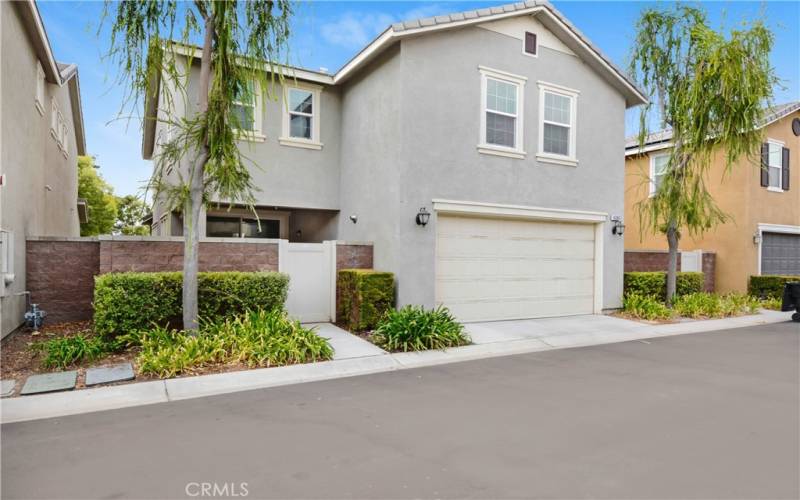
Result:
{"points": [[515, 27]]}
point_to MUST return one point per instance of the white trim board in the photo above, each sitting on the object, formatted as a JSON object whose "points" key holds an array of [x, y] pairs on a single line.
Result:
{"points": [[517, 211]]}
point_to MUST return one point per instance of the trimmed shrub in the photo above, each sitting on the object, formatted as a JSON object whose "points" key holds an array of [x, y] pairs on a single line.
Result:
{"points": [[363, 297], [256, 338], [654, 284], [769, 286], [413, 328], [645, 307], [126, 302]]}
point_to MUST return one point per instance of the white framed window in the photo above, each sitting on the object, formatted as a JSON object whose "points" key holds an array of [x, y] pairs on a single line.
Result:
{"points": [[301, 117], [248, 113], [557, 124], [775, 165], [501, 120], [658, 167], [39, 99]]}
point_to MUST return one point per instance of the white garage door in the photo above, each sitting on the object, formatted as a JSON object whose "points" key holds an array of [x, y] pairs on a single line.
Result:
{"points": [[494, 269]]}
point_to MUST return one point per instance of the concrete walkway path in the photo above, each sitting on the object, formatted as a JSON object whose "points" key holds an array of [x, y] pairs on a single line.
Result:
{"points": [[345, 344], [354, 356]]}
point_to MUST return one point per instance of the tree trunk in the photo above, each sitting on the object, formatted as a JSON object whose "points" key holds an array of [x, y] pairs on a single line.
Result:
{"points": [[194, 202], [672, 264]]}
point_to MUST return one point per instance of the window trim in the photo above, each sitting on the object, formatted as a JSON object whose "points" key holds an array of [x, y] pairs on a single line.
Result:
{"points": [[518, 151], [652, 176], [571, 159], [257, 134], [536, 43], [38, 98], [316, 117], [779, 188]]}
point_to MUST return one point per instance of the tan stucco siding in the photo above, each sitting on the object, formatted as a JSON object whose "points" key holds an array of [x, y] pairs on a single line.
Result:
{"points": [[39, 197], [739, 194]]}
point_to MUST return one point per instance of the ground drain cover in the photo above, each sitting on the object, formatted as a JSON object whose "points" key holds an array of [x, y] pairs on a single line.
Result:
{"points": [[108, 374]]}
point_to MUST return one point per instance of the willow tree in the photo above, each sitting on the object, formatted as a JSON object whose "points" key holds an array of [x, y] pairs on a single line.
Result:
{"points": [[240, 41], [710, 88]]}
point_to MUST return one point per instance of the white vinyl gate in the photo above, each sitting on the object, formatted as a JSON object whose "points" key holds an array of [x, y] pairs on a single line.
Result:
{"points": [[312, 279]]}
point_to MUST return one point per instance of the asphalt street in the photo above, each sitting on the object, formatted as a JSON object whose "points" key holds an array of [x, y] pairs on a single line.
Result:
{"points": [[710, 415]]}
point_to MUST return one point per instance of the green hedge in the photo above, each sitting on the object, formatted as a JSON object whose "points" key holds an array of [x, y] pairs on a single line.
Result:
{"points": [[768, 286], [125, 302], [364, 296], [654, 284]]}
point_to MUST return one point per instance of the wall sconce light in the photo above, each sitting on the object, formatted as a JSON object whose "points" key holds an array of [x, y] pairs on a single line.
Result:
{"points": [[423, 216], [618, 228], [354, 218], [757, 239]]}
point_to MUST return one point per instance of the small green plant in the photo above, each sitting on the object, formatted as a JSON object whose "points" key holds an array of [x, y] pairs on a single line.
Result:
{"points": [[772, 303], [413, 328], [710, 305], [256, 338], [270, 338], [645, 307], [67, 351]]}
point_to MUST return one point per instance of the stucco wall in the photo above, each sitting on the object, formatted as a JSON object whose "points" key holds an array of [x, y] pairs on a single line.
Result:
{"points": [[41, 189], [739, 194], [431, 88]]}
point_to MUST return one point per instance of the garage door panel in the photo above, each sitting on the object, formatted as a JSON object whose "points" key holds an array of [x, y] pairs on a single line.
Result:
{"points": [[502, 269], [780, 253]]}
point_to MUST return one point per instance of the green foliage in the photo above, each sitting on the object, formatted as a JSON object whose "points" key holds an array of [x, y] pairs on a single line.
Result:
{"points": [[100, 201], [769, 286], [772, 303], [130, 211], [66, 351], [709, 305], [645, 307], [126, 302], [654, 284], [364, 296], [256, 338], [710, 88], [413, 328]]}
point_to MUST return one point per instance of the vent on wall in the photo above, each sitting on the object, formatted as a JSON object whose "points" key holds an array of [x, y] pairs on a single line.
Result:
{"points": [[530, 43]]}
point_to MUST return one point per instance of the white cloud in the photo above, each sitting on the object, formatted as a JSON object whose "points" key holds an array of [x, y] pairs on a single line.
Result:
{"points": [[356, 29]]}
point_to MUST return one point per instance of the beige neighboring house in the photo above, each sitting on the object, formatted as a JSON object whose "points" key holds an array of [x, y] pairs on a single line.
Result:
{"points": [[763, 236], [42, 135]]}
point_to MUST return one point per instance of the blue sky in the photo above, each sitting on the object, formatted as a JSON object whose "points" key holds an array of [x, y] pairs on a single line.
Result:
{"points": [[327, 34]]}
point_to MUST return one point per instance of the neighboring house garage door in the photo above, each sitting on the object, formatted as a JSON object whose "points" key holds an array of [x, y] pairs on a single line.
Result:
{"points": [[494, 269], [780, 253]]}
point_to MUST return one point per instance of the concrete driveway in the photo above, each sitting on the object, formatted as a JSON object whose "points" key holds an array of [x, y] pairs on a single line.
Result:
{"points": [[711, 415]]}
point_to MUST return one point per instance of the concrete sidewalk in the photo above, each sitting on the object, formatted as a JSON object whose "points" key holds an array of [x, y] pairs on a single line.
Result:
{"points": [[354, 358]]}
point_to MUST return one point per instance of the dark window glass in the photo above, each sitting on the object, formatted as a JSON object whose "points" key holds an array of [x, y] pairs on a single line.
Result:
{"points": [[269, 228], [223, 227]]}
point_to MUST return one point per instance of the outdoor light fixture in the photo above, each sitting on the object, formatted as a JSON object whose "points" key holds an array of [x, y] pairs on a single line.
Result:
{"points": [[757, 239], [618, 228], [354, 218], [423, 216]]}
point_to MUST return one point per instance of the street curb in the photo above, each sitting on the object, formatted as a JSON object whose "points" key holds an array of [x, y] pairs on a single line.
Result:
{"points": [[20, 409]]}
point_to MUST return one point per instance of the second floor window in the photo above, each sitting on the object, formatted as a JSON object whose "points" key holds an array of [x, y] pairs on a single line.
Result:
{"points": [[244, 109], [301, 113], [501, 113], [775, 166], [557, 134], [658, 167]]}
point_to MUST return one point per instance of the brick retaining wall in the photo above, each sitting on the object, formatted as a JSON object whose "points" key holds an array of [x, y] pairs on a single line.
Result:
{"points": [[60, 271], [657, 260]]}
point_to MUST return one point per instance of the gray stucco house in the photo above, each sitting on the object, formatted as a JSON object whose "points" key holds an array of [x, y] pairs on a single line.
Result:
{"points": [[42, 135], [506, 125]]}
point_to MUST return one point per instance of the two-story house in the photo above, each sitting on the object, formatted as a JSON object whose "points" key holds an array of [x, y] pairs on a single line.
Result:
{"points": [[41, 137], [763, 233], [482, 152]]}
